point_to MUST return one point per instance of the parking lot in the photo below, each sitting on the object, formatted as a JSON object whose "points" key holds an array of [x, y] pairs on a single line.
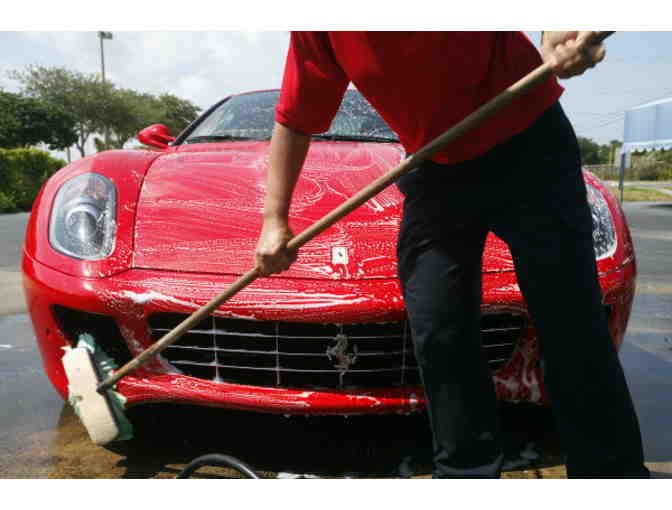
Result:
{"points": [[40, 437]]}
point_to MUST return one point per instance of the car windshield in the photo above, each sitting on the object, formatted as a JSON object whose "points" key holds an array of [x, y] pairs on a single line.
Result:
{"points": [[251, 117]]}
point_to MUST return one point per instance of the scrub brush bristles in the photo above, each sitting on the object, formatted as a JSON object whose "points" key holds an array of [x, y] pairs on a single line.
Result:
{"points": [[101, 414]]}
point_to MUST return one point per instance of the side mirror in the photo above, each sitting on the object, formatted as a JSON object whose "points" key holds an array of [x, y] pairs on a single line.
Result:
{"points": [[156, 135]]}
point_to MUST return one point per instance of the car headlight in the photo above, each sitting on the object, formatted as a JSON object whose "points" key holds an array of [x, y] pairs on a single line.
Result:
{"points": [[604, 232], [83, 218]]}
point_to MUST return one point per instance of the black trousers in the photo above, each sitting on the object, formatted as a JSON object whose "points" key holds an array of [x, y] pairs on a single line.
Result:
{"points": [[531, 193]]}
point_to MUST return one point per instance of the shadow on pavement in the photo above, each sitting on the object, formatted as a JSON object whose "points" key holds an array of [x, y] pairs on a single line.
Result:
{"points": [[167, 437]]}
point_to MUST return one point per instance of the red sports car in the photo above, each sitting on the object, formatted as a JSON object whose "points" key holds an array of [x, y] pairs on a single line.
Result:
{"points": [[125, 244]]}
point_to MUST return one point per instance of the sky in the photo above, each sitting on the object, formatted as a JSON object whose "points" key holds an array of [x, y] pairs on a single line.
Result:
{"points": [[205, 65]]}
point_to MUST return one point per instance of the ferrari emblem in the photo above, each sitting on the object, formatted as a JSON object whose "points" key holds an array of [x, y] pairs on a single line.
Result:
{"points": [[339, 255], [339, 353]]}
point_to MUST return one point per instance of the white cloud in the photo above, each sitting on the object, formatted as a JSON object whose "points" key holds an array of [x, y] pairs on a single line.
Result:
{"points": [[200, 66], [193, 86]]}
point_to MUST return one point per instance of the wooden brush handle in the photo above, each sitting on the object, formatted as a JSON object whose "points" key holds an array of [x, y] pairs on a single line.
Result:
{"points": [[540, 74]]}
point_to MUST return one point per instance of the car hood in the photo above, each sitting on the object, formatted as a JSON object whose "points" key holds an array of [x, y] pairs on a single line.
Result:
{"points": [[200, 210]]}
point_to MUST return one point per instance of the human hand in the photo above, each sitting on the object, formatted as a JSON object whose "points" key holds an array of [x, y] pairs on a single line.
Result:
{"points": [[571, 53], [271, 253]]}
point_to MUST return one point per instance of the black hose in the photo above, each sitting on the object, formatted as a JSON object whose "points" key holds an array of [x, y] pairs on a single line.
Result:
{"points": [[216, 459]]}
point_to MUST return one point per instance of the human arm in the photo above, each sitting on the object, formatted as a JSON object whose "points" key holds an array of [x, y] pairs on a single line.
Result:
{"points": [[312, 89], [571, 53], [287, 154]]}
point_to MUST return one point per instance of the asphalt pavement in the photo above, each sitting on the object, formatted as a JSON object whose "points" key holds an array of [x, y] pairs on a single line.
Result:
{"points": [[647, 351], [40, 437]]}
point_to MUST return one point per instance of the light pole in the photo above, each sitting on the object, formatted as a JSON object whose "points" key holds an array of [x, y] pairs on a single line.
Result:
{"points": [[101, 36]]}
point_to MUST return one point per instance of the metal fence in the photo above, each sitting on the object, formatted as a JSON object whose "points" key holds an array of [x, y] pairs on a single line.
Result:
{"points": [[655, 171], [606, 172]]}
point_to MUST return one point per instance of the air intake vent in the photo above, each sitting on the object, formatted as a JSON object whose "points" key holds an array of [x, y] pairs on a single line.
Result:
{"points": [[102, 327]]}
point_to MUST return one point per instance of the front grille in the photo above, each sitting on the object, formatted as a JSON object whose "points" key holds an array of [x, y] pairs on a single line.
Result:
{"points": [[312, 356]]}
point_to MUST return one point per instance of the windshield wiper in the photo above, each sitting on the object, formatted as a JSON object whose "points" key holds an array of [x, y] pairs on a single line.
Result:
{"points": [[220, 138], [355, 138]]}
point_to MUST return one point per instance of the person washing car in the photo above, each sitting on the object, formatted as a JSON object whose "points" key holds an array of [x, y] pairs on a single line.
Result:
{"points": [[518, 175]]}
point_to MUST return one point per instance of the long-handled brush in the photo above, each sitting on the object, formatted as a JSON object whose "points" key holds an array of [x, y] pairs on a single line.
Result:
{"points": [[100, 409]]}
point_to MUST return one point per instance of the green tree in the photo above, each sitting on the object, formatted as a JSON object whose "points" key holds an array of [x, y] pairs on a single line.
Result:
{"points": [[591, 152], [665, 155], [177, 113], [22, 174], [130, 111], [101, 108], [84, 96], [26, 122]]}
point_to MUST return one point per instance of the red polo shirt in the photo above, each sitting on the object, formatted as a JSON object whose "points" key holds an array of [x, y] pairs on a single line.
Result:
{"points": [[421, 83]]}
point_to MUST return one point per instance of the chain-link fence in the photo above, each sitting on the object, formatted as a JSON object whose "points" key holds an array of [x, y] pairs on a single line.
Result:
{"points": [[644, 169]]}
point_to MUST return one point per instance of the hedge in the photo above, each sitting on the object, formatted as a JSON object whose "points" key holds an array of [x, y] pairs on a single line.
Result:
{"points": [[22, 173]]}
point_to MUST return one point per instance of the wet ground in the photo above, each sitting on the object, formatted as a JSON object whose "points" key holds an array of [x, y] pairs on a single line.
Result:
{"points": [[40, 437]]}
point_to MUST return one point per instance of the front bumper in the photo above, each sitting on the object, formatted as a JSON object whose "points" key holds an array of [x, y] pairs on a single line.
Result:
{"points": [[130, 297]]}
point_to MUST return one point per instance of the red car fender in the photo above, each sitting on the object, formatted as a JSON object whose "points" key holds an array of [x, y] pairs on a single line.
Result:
{"points": [[127, 170]]}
